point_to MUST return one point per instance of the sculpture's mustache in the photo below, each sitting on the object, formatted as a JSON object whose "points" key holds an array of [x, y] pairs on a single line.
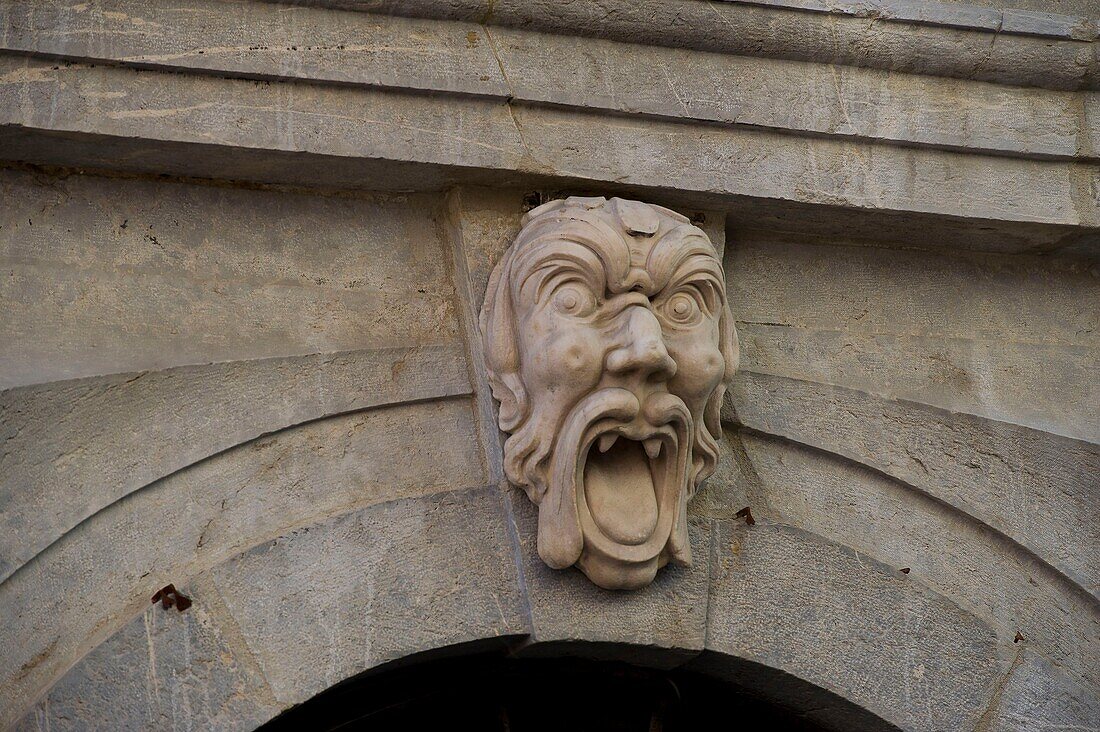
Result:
{"points": [[615, 406]]}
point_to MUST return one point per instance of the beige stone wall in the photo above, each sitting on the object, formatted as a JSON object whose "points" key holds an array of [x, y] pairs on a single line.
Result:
{"points": [[242, 249]]}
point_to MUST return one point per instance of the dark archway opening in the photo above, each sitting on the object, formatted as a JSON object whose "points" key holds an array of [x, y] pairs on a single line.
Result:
{"points": [[499, 691]]}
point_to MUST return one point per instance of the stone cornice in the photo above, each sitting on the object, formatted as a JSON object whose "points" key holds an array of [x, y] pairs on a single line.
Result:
{"points": [[1009, 46]]}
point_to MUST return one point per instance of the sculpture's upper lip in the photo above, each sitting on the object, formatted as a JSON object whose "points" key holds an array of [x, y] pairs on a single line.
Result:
{"points": [[653, 438], [635, 430]]}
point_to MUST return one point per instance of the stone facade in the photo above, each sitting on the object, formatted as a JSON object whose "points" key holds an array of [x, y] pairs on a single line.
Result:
{"points": [[243, 250]]}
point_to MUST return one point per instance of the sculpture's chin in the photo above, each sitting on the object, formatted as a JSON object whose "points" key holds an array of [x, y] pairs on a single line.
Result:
{"points": [[612, 575]]}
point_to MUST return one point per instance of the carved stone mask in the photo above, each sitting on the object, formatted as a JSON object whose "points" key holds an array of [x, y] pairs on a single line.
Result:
{"points": [[609, 344]]}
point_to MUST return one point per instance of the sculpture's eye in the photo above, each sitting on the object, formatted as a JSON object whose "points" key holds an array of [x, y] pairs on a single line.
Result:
{"points": [[574, 299], [683, 309]]}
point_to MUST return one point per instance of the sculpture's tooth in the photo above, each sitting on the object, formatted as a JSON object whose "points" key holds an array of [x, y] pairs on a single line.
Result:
{"points": [[607, 440], [652, 447]]}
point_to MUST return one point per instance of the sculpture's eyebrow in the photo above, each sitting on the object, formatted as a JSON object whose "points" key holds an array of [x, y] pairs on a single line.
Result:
{"points": [[697, 267], [704, 272], [561, 258], [682, 252]]}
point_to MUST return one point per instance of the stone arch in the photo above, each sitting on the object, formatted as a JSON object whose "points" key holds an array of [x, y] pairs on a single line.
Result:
{"points": [[509, 684], [334, 512], [281, 622]]}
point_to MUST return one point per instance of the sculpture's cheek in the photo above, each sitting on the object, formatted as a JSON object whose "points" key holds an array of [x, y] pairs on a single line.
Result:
{"points": [[699, 367], [563, 359]]}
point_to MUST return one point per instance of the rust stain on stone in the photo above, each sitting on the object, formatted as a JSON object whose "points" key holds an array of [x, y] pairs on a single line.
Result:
{"points": [[169, 596]]}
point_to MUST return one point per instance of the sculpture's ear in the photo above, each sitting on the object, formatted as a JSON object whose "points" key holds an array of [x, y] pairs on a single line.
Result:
{"points": [[498, 333], [728, 343], [705, 457]]}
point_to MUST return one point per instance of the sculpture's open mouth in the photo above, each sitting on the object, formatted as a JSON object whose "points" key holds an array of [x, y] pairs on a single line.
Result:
{"points": [[615, 500], [624, 477], [628, 474]]}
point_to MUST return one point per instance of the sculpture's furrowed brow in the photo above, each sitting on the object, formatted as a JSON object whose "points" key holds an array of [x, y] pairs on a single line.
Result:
{"points": [[683, 251], [567, 260], [705, 273], [680, 248]]}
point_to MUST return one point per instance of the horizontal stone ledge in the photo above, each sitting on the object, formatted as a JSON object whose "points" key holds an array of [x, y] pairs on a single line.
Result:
{"points": [[1032, 48], [950, 14], [65, 154], [461, 133], [335, 47]]}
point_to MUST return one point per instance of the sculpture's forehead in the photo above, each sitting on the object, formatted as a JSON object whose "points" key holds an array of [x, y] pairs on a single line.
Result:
{"points": [[624, 257]]}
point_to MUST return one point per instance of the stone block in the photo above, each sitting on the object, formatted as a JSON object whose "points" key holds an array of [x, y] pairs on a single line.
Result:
{"points": [[812, 98], [196, 518], [329, 600], [1038, 695], [68, 449], [168, 274], [1036, 488], [261, 40], [944, 549], [162, 670], [822, 612]]}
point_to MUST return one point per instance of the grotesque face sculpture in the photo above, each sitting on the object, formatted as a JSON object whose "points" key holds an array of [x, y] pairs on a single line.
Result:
{"points": [[609, 344]]}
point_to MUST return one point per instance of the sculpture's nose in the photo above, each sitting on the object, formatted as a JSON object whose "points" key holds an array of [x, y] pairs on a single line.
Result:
{"points": [[642, 347]]}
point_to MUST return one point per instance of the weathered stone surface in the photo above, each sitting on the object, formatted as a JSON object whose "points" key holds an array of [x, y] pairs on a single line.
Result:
{"points": [[260, 40], [850, 38], [733, 162], [1044, 387], [670, 613], [843, 285], [1040, 23], [162, 670], [197, 517], [840, 620], [943, 399], [276, 42], [115, 275], [1019, 349], [480, 224], [464, 132], [1005, 586], [67, 449], [1038, 20], [1038, 489], [1037, 695], [842, 101], [328, 601], [809, 702], [734, 484]]}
